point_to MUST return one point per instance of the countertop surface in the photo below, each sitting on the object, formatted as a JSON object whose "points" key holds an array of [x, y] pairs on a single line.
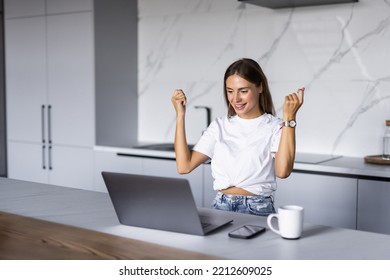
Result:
{"points": [[316, 163], [35, 239], [94, 211]]}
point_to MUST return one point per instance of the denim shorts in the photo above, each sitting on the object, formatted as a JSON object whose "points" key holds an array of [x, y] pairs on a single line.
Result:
{"points": [[256, 205]]}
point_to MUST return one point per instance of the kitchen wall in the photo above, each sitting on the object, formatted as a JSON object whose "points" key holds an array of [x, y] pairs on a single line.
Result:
{"points": [[340, 53]]}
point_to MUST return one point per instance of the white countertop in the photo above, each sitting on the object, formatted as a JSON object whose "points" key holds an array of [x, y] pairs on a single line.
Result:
{"points": [[136, 152], [316, 163], [94, 211], [349, 166]]}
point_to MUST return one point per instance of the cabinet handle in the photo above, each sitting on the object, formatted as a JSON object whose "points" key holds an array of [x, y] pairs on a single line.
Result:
{"points": [[43, 157], [50, 163], [49, 123], [43, 123]]}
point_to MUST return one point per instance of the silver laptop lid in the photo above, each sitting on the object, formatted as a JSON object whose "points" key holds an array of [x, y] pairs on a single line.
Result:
{"points": [[153, 202]]}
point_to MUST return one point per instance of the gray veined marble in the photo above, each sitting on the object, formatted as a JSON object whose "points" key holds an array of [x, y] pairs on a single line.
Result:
{"points": [[338, 52], [264, 58], [372, 98]]}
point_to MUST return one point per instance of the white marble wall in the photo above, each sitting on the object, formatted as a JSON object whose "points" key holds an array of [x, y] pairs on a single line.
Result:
{"points": [[340, 53]]}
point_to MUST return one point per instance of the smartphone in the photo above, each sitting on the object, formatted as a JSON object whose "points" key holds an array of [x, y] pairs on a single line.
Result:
{"points": [[247, 231]]}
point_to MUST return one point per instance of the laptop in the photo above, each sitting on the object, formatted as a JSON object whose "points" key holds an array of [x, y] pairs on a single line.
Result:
{"points": [[159, 203]]}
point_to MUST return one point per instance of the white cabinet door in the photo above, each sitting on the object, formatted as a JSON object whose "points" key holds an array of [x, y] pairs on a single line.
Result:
{"points": [[63, 165], [26, 88], [71, 167], [373, 206], [110, 161], [26, 94], [328, 200], [167, 168], [26, 161], [71, 78]]}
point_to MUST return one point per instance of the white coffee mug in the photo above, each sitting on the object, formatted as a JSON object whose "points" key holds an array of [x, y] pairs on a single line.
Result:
{"points": [[290, 221]]}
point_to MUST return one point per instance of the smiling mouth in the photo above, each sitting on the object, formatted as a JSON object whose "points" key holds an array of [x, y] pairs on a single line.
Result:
{"points": [[239, 106]]}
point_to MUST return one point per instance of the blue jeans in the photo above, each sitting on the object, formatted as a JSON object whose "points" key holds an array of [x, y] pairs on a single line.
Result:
{"points": [[255, 205]]}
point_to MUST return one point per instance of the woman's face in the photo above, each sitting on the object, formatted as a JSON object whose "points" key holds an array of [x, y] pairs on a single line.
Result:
{"points": [[243, 96]]}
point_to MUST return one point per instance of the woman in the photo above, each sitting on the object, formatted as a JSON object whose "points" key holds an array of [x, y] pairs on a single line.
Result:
{"points": [[248, 147]]}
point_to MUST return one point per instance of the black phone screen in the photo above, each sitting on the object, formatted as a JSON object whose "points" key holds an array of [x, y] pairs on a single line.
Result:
{"points": [[247, 231]]}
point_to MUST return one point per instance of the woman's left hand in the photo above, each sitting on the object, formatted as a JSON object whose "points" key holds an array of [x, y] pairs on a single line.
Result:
{"points": [[292, 103]]}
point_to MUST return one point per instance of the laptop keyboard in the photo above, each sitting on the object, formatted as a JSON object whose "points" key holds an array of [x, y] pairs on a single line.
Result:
{"points": [[205, 221], [205, 225]]}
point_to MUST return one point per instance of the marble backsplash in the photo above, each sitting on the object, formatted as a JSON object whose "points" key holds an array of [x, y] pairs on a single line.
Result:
{"points": [[339, 53]]}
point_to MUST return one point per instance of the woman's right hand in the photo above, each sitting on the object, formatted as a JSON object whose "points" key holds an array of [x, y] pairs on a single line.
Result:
{"points": [[179, 101]]}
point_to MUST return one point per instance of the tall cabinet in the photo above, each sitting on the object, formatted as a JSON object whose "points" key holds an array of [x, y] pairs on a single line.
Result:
{"points": [[50, 91], [71, 82]]}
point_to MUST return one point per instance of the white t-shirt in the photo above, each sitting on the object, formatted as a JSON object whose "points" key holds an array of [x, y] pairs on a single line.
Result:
{"points": [[242, 152]]}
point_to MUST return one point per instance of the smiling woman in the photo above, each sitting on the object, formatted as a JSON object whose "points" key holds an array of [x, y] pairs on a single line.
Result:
{"points": [[248, 147]]}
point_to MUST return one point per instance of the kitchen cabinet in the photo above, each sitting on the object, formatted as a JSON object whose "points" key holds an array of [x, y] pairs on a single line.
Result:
{"points": [[26, 161], [328, 200], [50, 98], [61, 99], [26, 84], [373, 206], [70, 72], [110, 161]]}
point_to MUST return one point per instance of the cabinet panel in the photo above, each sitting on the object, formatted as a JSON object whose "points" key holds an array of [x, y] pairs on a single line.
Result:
{"points": [[25, 78], [109, 161], [327, 200], [61, 6], [63, 166], [24, 8], [373, 206], [71, 78], [167, 168], [26, 162], [71, 167], [49, 64]]}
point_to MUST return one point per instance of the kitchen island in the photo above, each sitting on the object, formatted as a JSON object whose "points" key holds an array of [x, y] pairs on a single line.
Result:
{"points": [[93, 211]]}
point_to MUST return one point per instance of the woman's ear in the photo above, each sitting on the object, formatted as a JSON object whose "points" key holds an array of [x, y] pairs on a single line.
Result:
{"points": [[261, 88]]}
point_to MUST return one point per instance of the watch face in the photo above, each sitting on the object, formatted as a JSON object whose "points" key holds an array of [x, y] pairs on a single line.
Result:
{"points": [[292, 123]]}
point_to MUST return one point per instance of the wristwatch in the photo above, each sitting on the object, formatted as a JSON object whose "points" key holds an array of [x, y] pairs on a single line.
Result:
{"points": [[290, 123]]}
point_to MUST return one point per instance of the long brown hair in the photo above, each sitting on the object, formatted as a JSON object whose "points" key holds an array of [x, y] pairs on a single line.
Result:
{"points": [[251, 71]]}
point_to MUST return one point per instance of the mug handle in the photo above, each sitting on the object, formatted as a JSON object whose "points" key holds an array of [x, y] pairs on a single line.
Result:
{"points": [[269, 219]]}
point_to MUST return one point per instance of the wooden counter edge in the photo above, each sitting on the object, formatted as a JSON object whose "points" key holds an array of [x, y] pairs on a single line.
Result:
{"points": [[24, 238]]}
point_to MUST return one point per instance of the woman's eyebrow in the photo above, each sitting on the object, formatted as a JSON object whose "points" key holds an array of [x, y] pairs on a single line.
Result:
{"points": [[241, 88]]}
